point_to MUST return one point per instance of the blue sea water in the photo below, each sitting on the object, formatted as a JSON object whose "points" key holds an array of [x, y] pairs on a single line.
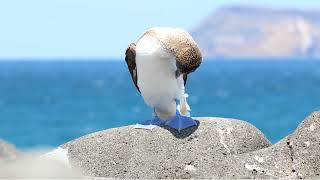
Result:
{"points": [[46, 103]]}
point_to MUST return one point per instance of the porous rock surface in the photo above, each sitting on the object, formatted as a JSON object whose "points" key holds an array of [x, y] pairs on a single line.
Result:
{"points": [[216, 148], [212, 149]]}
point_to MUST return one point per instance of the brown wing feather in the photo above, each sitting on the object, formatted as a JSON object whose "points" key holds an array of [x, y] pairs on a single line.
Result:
{"points": [[131, 62]]}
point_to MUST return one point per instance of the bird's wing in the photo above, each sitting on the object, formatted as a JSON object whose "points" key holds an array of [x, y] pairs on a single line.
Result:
{"points": [[131, 62]]}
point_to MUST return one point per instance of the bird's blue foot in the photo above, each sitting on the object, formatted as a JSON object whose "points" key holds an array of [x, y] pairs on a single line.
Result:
{"points": [[177, 122], [180, 122]]}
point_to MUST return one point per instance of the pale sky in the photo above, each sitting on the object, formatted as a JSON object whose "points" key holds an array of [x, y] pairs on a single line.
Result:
{"points": [[71, 29]]}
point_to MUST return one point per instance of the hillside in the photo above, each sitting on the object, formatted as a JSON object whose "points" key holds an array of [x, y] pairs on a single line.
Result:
{"points": [[251, 32]]}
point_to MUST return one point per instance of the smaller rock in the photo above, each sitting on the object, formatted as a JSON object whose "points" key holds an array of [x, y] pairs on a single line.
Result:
{"points": [[305, 147], [271, 162], [295, 156]]}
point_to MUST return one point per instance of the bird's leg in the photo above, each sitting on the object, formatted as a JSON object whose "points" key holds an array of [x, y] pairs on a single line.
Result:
{"points": [[154, 114], [184, 107]]}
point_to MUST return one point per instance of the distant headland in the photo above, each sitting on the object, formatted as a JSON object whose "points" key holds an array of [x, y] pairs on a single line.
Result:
{"points": [[257, 32]]}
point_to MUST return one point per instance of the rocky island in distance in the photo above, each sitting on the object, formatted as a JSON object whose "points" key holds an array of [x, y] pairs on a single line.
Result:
{"points": [[239, 32]]}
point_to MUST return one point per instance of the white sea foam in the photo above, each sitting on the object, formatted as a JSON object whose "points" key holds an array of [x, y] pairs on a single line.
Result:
{"points": [[60, 155], [33, 164]]}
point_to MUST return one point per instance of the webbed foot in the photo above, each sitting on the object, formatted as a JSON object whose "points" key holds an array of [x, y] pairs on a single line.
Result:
{"points": [[177, 122], [180, 122]]}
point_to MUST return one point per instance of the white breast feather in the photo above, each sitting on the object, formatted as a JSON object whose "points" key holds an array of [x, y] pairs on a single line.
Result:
{"points": [[156, 77]]}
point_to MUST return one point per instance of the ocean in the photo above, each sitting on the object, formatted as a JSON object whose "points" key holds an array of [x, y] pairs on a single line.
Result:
{"points": [[47, 103]]}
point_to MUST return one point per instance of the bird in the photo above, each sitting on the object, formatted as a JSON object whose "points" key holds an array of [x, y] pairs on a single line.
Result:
{"points": [[159, 63]]}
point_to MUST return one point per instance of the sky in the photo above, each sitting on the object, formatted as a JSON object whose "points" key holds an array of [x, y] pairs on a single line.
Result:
{"points": [[100, 29]]}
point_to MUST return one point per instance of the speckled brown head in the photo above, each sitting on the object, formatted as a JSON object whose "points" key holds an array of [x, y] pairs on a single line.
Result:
{"points": [[181, 44]]}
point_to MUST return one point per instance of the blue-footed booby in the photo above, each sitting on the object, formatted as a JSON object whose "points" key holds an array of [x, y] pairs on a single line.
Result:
{"points": [[159, 63]]}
